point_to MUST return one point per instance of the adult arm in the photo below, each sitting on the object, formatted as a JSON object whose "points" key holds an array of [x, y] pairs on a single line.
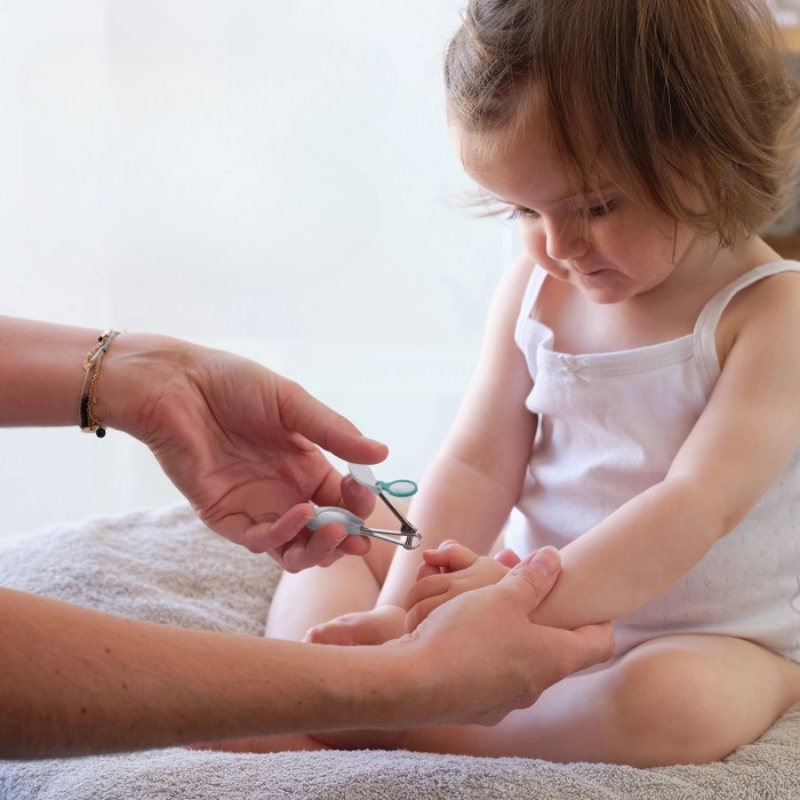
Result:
{"points": [[77, 682], [239, 441]]}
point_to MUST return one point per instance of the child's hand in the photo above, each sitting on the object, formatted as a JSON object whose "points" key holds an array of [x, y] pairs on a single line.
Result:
{"points": [[448, 572], [377, 626]]}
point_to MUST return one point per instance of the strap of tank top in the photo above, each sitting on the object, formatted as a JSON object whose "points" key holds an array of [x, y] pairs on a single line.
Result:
{"points": [[706, 328]]}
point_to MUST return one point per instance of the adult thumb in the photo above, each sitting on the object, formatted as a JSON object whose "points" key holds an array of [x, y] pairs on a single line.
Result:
{"points": [[535, 576]]}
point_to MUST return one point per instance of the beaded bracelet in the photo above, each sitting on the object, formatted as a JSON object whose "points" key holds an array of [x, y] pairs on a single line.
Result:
{"points": [[91, 364]]}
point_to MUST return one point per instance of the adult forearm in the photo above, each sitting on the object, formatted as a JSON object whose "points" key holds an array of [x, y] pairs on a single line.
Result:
{"points": [[75, 681], [42, 373]]}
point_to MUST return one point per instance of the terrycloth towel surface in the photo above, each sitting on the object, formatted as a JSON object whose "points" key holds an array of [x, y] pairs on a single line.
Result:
{"points": [[164, 565]]}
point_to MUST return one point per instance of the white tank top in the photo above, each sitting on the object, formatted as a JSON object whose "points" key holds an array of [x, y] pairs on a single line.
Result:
{"points": [[610, 425]]}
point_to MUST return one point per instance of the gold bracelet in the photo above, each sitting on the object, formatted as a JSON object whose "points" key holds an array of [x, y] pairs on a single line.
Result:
{"points": [[91, 364]]}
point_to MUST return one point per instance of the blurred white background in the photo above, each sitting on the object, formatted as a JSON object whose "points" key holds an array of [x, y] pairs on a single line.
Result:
{"points": [[269, 176]]}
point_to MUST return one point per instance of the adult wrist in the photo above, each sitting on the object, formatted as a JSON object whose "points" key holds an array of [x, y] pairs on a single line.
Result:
{"points": [[390, 691], [136, 373]]}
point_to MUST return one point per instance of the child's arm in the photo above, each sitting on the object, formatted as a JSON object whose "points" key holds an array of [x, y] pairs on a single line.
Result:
{"points": [[469, 490], [471, 486], [738, 447]]}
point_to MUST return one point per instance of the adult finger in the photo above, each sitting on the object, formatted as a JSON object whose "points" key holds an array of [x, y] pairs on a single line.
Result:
{"points": [[555, 654], [531, 581], [587, 646], [320, 424], [356, 498], [273, 535]]}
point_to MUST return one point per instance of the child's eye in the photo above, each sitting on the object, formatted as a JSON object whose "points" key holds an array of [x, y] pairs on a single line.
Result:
{"points": [[602, 209], [516, 212]]}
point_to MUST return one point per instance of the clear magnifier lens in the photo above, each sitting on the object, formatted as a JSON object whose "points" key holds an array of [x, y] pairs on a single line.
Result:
{"points": [[365, 476]]}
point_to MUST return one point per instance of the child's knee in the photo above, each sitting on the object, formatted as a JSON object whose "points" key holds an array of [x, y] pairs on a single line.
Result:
{"points": [[672, 707]]}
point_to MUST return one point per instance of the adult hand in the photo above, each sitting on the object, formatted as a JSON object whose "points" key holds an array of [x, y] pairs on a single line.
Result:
{"points": [[241, 443], [497, 660]]}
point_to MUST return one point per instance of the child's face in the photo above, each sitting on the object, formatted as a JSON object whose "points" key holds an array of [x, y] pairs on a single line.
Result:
{"points": [[625, 250]]}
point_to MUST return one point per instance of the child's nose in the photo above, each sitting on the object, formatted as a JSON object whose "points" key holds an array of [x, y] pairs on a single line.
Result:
{"points": [[566, 239]]}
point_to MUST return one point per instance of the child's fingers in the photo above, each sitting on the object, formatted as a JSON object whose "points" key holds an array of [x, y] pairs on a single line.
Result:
{"points": [[450, 557], [426, 570], [421, 610], [430, 586], [424, 596], [507, 557]]}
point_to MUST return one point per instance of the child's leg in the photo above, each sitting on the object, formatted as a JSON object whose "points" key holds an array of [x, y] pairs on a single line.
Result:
{"points": [[317, 595], [687, 699]]}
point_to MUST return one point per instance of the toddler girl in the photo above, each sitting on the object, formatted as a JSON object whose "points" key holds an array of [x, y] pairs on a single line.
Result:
{"points": [[637, 401]]}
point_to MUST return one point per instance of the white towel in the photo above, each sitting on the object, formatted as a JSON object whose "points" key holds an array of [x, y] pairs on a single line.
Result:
{"points": [[165, 566]]}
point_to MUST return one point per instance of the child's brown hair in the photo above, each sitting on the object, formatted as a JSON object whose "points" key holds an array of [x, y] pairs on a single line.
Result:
{"points": [[652, 89]]}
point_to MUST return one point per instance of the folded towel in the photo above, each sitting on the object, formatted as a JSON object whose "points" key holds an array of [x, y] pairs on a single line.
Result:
{"points": [[164, 565]]}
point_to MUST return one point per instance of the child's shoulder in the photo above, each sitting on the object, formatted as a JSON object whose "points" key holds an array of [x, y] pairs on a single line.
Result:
{"points": [[754, 275], [768, 302], [776, 284], [518, 280]]}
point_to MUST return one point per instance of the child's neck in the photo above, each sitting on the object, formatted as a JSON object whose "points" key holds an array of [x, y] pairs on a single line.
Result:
{"points": [[666, 312]]}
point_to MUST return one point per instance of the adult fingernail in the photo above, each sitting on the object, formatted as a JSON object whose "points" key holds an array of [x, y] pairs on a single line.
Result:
{"points": [[546, 560]]}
